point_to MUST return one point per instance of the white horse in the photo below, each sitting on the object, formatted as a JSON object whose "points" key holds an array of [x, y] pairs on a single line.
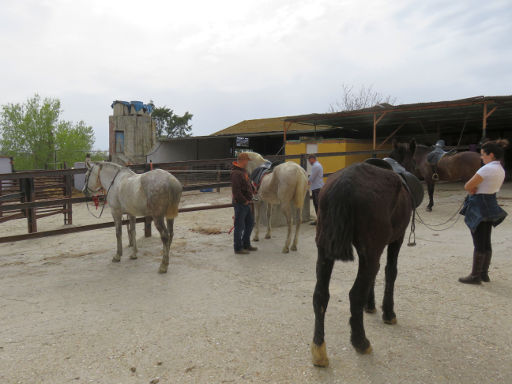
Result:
{"points": [[287, 185], [155, 194]]}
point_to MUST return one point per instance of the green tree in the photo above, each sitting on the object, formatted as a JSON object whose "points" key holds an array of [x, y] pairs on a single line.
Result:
{"points": [[171, 125], [73, 141], [34, 136]]}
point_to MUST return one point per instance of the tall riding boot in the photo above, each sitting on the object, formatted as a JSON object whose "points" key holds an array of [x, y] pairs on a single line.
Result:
{"points": [[476, 273], [485, 266]]}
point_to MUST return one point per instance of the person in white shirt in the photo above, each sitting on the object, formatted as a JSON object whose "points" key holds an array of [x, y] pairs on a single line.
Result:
{"points": [[316, 181], [481, 209]]}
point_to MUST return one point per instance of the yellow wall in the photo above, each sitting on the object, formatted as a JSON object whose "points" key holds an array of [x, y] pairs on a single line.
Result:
{"points": [[333, 163], [295, 148]]}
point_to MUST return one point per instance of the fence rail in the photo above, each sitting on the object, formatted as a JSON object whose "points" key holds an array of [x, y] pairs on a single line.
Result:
{"points": [[37, 194]]}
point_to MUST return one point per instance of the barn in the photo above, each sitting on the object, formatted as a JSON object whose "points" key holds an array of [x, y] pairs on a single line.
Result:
{"points": [[461, 123]]}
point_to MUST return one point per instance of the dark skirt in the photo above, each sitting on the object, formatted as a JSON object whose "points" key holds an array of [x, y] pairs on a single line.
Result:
{"points": [[482, 207]]}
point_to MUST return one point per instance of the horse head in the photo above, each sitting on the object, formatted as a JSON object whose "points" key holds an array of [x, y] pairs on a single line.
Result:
{"points": [[92, 185], [404, 154], [255, 161]]}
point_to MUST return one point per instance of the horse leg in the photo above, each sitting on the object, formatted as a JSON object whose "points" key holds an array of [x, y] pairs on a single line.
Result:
{"points": [[298, 221], [129, 228], [257, 210], [368, 268], [388, 315], [170, 229], [288, 214], [132, 236], [164, 235], [268, 235], [430, 188], [370, 304], [118, 221], [320, 301]]}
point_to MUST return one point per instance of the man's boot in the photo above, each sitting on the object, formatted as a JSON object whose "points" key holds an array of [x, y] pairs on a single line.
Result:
{"points": [[476, 273], [485, 267]]}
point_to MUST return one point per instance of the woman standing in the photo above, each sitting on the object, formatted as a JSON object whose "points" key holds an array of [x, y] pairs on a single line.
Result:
{"points": [[481, 210]]}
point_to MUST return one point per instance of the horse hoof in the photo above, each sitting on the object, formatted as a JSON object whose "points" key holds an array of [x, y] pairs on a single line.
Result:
{"points": [[370, 310], [116, 259], [286, 250], [364, 347], [267, 236], [256, 239], [319, 354], [133, 257], [429, 209], [293, 248], [366, 351], [389, 321], [162, 270]]}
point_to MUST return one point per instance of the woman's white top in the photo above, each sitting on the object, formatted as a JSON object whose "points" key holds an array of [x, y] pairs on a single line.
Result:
{"points": [[493, 175]]}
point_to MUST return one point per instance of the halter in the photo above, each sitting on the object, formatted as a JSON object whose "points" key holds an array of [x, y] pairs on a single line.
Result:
{"points": [[99, 189]]}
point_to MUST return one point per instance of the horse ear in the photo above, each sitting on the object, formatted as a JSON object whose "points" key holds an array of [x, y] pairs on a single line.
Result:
{"points": [[412, 146], [88, 161]]}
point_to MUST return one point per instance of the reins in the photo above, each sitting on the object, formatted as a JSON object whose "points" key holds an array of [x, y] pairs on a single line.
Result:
{"points": [[104, 198]]}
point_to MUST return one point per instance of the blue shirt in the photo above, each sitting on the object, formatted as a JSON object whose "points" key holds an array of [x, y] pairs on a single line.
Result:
{"points": [[317, 176]]}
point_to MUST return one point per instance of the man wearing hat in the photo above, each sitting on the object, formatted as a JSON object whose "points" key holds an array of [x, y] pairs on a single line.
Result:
{"points": [[242, 196]]}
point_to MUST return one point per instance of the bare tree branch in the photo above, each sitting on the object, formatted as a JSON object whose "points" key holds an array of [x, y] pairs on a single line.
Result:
{"points": [[364, 97]]}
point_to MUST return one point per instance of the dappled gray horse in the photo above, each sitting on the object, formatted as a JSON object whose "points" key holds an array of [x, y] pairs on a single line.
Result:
{"points": [[155, 194]]}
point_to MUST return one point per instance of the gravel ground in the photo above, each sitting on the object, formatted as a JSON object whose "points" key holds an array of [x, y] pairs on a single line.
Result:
{"points": [[69, 315]]}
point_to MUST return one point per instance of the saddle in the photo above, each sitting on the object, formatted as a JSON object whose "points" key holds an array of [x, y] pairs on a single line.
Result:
{"points": [[258, 174], [434, 157], [411, 182], [437, 153]]}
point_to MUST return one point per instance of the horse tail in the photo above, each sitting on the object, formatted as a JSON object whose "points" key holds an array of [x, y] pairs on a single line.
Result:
{"points": [[335, 226], [175, 189], [301, 188]]}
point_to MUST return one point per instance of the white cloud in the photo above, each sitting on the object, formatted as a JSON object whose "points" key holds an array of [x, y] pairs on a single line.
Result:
{"points": [[231, 60]]}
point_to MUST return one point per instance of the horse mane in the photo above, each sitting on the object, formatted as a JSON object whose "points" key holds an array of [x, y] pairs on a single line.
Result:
{"points": [[108, 164], [254, 156]]}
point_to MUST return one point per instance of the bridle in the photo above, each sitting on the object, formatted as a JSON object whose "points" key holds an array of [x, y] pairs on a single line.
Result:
{"points": [[105, 196]]}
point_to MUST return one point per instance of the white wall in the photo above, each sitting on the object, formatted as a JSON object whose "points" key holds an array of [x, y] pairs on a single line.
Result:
{"points": [[190, 149]]}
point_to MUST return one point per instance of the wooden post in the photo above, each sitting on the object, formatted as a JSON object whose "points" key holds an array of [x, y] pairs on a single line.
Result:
{"points": [[218, 177], [484, 120], [147, 226], [374, 131], [68, 207], [376, 121], [1, 212], [27, 186]]}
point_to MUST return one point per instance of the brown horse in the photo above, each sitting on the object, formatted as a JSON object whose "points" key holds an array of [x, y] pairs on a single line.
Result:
{"points": [[458, 167], [370, 208]]}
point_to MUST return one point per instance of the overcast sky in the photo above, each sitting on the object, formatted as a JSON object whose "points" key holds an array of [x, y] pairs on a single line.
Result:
{"points": [[227, 61]]}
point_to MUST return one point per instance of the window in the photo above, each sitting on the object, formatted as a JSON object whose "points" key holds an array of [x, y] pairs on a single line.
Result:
{"points": [[119, 142]]}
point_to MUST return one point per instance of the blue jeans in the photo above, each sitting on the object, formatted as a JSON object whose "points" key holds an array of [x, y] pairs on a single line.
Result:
{"points": [[244, 223]]}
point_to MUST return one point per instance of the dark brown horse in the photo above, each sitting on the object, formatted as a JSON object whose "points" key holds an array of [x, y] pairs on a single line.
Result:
{"points": [[458, 167], [370, 208]]}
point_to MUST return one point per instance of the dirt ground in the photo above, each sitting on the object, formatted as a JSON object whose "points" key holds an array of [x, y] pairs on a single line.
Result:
{"points": [[70, 315]]}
